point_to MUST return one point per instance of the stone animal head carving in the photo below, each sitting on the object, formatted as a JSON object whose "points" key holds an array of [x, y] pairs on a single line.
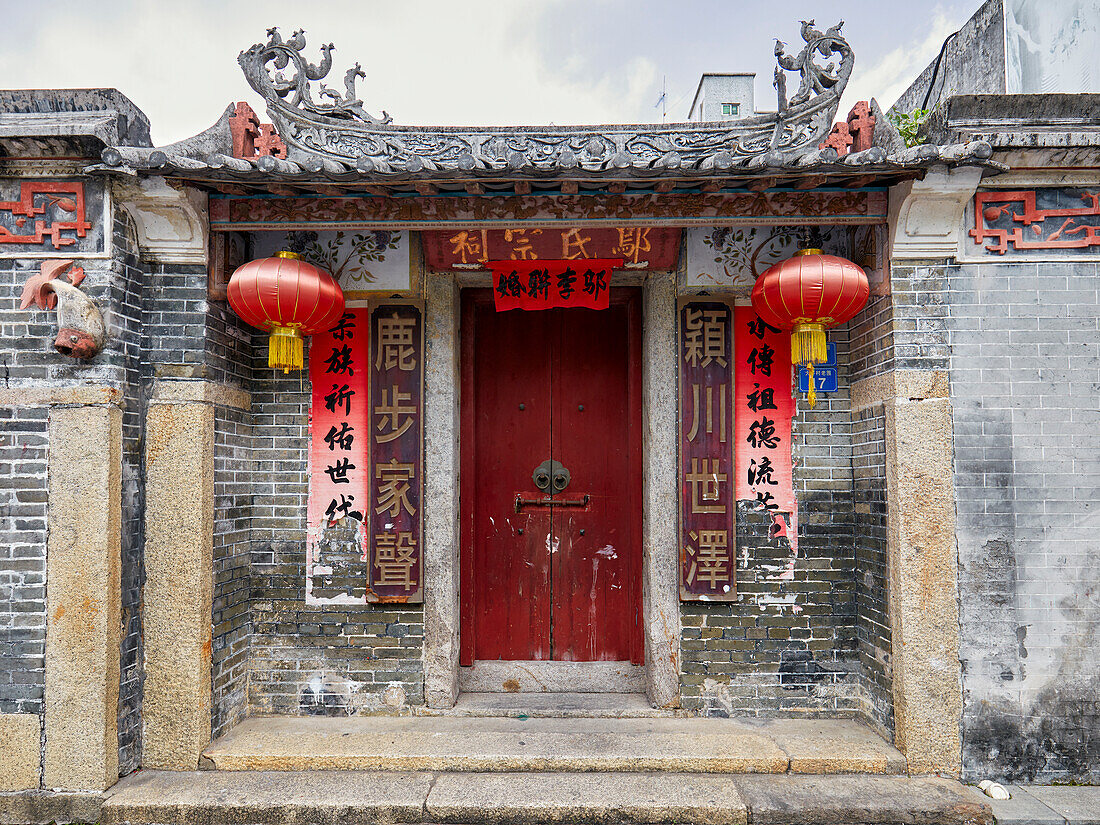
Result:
{"points": [[81, 332]]}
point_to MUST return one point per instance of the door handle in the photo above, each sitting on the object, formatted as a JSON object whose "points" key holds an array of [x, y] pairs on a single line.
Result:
{"points": [[550, 502]]}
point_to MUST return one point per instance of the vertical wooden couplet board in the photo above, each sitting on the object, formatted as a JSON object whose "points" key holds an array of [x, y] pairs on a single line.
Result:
{"points": [[397, 389], [366, 428], [707, 509]]}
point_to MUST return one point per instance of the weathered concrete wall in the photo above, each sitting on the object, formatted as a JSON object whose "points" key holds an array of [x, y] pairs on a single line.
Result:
{"points": [[973, 62], [1025, 372]]}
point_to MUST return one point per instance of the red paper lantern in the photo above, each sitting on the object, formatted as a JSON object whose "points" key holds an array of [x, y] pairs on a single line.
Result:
{"points": [[807, 294], [289, 298]]}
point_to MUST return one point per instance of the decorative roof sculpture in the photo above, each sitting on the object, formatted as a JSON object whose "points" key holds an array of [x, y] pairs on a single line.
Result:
{"points": [[339, 129], [331, 138]]}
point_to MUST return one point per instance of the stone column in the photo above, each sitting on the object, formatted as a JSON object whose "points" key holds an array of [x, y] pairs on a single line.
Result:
{"points": [[661, 584], [179, 579], [441, 518], [83, 598], [922, 563]]}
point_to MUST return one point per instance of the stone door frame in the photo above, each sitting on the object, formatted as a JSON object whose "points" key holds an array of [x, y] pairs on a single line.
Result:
{"points": [[660, 584]]}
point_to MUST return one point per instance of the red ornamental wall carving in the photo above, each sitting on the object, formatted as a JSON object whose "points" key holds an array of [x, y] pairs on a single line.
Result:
{"points": [[47, 213], [1036, 221]]}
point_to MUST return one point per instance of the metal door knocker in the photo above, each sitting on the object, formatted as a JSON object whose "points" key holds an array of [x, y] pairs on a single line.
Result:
{"points": [[551, 477]]}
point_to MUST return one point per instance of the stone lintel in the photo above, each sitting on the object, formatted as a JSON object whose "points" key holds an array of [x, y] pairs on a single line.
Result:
{"points": [[926, 216], [922, 564], [21, 767], [206, 392], [907, 385], [83, 561], [179, 539], [50, 395]]}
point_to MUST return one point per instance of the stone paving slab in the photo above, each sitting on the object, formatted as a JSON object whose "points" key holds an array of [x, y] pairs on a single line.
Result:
{"points": [[265, 798], [832, 746], [859, 800], [389, 798], [676, 745], [585, 799], [1021, 809], [1079, 804]]}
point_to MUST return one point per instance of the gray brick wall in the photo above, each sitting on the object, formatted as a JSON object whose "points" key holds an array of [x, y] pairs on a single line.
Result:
{"points": [[126, 314], [787, 644], [306, 659], [1025, 387], [232, 628], [872, 603], [24, 436]]}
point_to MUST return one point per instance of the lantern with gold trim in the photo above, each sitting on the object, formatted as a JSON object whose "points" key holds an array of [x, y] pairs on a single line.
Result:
{"points": [[289, 298], [806, 295]]}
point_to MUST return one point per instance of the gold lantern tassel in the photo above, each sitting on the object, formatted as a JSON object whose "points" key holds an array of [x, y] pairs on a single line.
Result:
{"points": [[808, 348], [285, 349]]}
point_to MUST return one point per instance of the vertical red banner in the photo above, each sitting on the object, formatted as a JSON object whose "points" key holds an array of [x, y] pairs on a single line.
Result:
{"points": [[339, 484], [762, 428], [397, 415], [707, 509]]}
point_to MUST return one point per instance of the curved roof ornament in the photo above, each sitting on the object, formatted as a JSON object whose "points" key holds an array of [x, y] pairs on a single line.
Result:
{"points": [[276, 88], [337, 128]]}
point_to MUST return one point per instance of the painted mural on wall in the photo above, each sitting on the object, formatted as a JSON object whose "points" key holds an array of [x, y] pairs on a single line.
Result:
{"points": [[360, 261], [736, 256], [1036, 222], [39, 218]]}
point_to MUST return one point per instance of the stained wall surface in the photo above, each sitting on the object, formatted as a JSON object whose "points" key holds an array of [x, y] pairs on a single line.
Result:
{"points": [[1025, 378]]}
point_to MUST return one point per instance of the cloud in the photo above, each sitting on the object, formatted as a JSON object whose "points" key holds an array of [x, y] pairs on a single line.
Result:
{"points": [[426, 61], [893, 73]]}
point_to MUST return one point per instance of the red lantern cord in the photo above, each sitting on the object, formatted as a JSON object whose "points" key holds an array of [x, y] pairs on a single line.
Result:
{"points": [[807, 294], [289, 298]]}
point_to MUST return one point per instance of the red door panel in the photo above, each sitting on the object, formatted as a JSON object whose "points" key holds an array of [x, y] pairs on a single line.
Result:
{"points": [[511, 430], [596, 434], [560, 582]]}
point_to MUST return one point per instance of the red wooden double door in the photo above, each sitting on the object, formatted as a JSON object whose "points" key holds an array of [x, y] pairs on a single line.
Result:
{"points": [[551, 482]]}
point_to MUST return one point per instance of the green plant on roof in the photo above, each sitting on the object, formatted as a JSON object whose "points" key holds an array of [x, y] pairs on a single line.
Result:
{"points": [[908, 124]]}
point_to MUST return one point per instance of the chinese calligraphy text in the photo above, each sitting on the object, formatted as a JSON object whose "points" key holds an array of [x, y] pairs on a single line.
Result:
{"points": [[339, 490], [707, 512], [396, 502], [763, 409], [547, 284]]}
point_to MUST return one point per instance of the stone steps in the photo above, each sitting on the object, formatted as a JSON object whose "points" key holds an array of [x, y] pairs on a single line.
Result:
{"points": [[600, 798], [503, 744], [556, 706]]}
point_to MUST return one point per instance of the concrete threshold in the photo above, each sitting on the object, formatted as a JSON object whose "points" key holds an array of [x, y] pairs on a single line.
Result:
{"points": [[339, 797], [503, 744]]}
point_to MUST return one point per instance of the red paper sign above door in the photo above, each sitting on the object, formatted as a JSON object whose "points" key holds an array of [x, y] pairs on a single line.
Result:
{"points": [[639, 247], [548, 284]]}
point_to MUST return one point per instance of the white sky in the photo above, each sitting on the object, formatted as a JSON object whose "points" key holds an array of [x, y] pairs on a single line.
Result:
{"points": [[470, 62]]}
